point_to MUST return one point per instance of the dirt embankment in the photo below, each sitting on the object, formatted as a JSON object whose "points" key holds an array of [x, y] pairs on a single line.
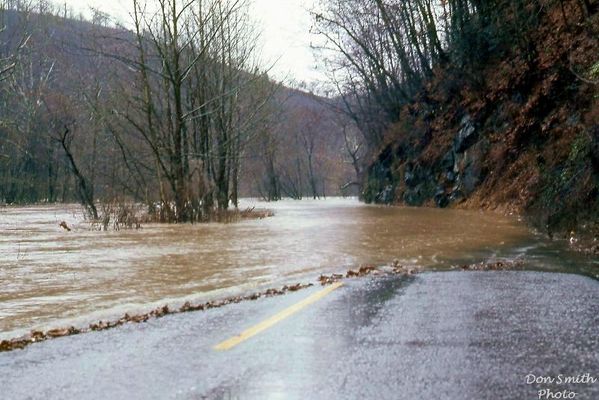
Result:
{"points": [[521, 136]]}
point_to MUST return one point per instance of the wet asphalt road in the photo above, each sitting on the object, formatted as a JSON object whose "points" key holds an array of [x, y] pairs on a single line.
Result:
{"points": [[452, 335]]}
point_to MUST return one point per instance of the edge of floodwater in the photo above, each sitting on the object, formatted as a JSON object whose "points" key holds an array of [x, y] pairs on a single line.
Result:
{"points": [[395, 269]]}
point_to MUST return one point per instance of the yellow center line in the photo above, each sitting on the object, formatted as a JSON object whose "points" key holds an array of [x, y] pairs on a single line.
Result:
{"points": [[256, 329]]}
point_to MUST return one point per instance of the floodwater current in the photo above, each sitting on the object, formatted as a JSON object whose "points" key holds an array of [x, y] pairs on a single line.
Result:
{"points": [[50, 277]]}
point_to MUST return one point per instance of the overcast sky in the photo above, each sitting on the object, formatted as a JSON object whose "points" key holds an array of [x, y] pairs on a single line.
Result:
{"points": [[285, 26]]}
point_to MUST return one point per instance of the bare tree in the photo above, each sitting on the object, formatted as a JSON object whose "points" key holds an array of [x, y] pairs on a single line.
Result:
{"points": [[85, 189], [195, 71], [8, 55]]}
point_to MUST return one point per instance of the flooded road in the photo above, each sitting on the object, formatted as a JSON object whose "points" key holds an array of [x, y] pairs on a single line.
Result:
{"points": [[452, 335], [50, 277]]}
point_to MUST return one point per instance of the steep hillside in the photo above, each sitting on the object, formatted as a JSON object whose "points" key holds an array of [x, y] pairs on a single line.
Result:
{"points": [[521, 137]]}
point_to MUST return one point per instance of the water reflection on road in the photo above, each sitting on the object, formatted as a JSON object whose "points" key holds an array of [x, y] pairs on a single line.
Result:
{"points": [[51, 277]]}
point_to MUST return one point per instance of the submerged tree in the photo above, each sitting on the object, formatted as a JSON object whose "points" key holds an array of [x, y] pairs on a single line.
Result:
{"points": [[194, 101]]}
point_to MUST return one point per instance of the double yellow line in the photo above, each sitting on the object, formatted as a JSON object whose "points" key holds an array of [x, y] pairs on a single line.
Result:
{"points": [[262, 326]]}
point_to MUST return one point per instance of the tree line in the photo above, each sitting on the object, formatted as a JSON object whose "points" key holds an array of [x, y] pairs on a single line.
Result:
{"points": [[175, 111]]}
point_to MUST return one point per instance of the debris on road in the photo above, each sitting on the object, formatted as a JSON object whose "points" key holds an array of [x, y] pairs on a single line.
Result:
{"points": [[501, 265], [40, 336], [365, 270]]}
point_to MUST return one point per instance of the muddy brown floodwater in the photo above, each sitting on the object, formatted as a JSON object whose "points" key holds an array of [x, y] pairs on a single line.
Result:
{"points": [[50, 277]]}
